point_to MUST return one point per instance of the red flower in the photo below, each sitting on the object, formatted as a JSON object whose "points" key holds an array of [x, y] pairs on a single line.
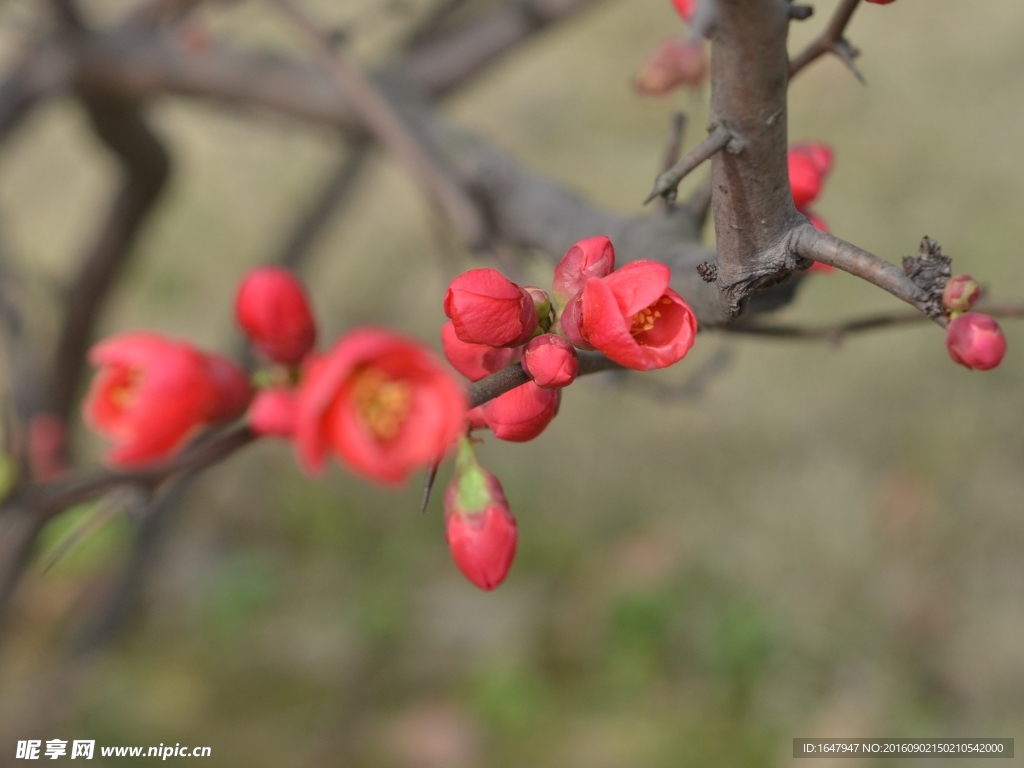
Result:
{"points": [[590, 257], [233, 388], [809, 166], [633, 317], [149, 394], [273, 310], [671, 64], [475, 361], [975, 341], [960, 294], [523, 413], [381, 402], [685, 8], [550, 361], [487, 308], [273, 412], [479, 526]]}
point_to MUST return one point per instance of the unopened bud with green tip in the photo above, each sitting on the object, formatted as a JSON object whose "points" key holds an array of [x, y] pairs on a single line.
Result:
{"points": [[480, 528], [545, 310], [960, 294]]}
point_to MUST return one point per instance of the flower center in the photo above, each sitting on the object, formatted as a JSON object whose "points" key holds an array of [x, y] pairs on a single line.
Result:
{"points": [[644, 319], [381, 402], [121, 391]]}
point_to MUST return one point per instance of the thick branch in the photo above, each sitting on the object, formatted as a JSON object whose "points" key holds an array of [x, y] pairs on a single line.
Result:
{"points": [[146, 165]]}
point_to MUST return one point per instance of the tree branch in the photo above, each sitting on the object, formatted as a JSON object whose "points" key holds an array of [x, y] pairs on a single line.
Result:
{"points": [[120, 125], [831, 40], [381, 120], [667, 183], [514, 376]]}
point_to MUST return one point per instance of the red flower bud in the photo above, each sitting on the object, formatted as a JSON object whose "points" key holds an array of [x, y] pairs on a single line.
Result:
{"points": [[521, 414], [273, 310], [487, 308], [633, 317], [149, 394], [975, 341], [479, 526], [550, 361], [685, 8], [809, 165], [542, 306], [673, 63], [233, 388], [590, 257], [960, 294], [475, 361], [382, 403], [273, 412]]}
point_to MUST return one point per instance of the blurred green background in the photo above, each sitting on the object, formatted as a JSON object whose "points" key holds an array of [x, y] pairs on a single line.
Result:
{"points": [[825, 542]]}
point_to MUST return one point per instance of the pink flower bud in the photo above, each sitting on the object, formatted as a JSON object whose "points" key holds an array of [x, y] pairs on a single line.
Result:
{"points": [[522, 413], [273, 310], [479, 526], [673, 63], [571, 323], [809, 165], [685, 8], [232, 385], [475, 361], [960, 294], [273, 412], [590, 257], [975, 341], [487, 308], [550, 361]]}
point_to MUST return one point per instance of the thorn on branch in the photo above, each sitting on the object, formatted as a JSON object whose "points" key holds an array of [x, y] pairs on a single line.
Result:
{"points": [[846, 53], [720, 138], [708, 272]]}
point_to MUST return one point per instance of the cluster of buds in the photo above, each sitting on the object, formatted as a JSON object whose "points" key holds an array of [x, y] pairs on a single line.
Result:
{"points": [[974, 340], [381, 403], [631, 315], [810, 163]]}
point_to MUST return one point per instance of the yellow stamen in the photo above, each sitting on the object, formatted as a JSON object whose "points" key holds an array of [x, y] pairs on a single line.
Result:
{"points": [[381, 402]]}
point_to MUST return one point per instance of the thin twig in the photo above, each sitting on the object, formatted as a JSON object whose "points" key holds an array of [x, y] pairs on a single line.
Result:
{"points": [[831, 40], [514, 376], [811, 243], [835, 333], [667, 182], [382, 120], [673, 146]]}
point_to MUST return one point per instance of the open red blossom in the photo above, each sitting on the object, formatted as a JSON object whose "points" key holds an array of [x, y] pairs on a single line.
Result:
{"points": [[273, 310], [475, 361], [233, 388], [550, 361], [522, 413], [382, 403], [149, 394], [633, 317], [975, 341], [810, 163], [487, 308], [590, 257], [671, 64], [479, 525], [685, 8]]}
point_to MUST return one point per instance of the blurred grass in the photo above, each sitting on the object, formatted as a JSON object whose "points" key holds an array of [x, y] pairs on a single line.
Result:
{"points": [[826, 543]]}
